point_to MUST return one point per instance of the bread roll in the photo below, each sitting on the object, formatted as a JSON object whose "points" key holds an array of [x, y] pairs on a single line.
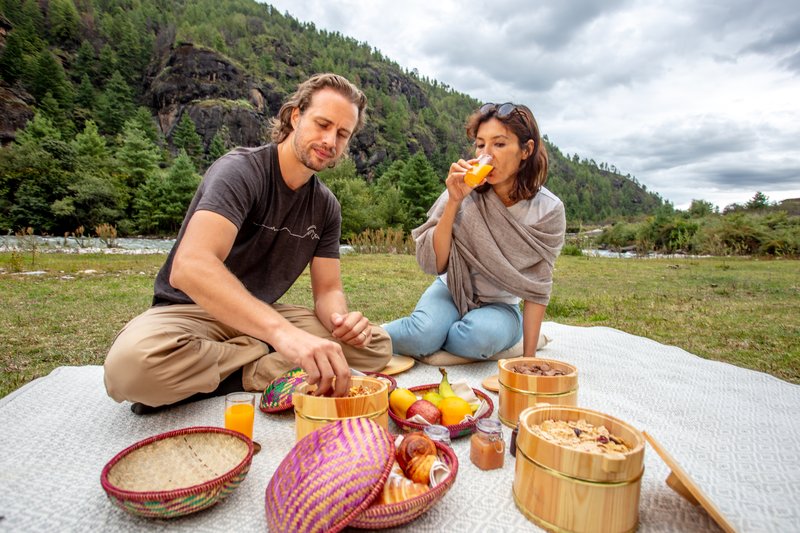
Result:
{"points": [[414, 444]]}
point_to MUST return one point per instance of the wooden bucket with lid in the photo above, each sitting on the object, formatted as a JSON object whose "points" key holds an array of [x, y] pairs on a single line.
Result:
{"points": [[313, 412], [519, 391], [561, 488]]}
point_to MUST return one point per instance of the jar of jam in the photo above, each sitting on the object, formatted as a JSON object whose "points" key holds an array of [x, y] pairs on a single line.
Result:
{"points": [[437, 432], [487, 448]]}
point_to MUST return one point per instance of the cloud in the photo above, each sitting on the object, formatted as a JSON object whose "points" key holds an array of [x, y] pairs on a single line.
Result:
{"points": [[692, 98]]}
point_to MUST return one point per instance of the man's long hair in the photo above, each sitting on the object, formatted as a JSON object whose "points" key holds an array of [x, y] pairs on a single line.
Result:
{"points": [[281, 126]]}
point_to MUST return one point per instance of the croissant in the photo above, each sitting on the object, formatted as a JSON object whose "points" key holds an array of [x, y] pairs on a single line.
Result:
{"points": [[413, 445], [419, 469], [398, 488]]}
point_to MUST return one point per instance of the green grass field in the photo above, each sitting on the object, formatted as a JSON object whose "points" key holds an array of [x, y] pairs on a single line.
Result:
{"points": [[743, 311]]}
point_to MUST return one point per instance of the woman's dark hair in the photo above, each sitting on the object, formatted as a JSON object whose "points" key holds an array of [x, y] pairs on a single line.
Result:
{"points": [[281, 126], [532, 173]]}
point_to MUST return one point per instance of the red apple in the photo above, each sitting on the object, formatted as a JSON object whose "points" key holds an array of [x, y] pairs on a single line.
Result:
{"points": [[426, 410]]}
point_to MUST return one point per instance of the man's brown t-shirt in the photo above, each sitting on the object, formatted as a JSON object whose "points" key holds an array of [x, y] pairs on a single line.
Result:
{"points": [[280, 230]]}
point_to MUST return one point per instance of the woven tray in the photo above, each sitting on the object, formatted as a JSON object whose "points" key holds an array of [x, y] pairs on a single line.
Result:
{"points": [[457, 430], [397, 514], [177, 473]]}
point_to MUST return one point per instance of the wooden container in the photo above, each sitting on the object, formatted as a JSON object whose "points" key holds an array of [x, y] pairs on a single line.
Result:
{"points": [[313, 412], [563, 489], [520, 391]]}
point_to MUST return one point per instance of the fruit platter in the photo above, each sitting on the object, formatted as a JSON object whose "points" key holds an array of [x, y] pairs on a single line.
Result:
{"points": [[415, 408]]}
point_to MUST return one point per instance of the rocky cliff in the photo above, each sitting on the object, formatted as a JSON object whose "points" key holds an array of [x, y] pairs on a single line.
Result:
{"points": [[16, 109], [213, 91]]}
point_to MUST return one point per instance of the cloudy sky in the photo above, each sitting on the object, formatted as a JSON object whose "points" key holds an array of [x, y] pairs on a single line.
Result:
{"points": [[696, 99]]}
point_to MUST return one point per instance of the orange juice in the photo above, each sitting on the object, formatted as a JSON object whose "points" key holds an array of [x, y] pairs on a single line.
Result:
{"points": [[239, 417], [479, 171]]}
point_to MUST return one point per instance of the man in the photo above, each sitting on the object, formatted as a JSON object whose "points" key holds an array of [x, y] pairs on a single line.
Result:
{"points": [[259, 217]]}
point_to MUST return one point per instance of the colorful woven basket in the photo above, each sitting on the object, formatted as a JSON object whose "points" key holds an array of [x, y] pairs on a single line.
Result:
{"points": [[329, 477], [177, 473], [277, 395], [457, 430], [397, 514]]}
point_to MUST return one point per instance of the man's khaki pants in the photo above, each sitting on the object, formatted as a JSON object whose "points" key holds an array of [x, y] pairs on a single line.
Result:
{"points": [[171, 352]]}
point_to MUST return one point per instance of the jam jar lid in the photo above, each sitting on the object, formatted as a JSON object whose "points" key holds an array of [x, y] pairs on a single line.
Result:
{"points": [[489, 426]]}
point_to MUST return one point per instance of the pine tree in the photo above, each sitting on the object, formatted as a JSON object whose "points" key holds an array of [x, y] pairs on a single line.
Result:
{"points": [[38, 129], [358, 206], [63, 22], [84, 97], [12, 62], [114, 105], [48, 75], [137, 155], [91, 150], [419, 188], [146, 204], [34, 172], [52, 110], [143, 120], [85, 61], [391, 208], [185, 137], [220, 144], [179, 186], [108, 62]]}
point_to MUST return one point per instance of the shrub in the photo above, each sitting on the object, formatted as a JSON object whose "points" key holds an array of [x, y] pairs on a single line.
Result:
{"points": [[383, 241]]}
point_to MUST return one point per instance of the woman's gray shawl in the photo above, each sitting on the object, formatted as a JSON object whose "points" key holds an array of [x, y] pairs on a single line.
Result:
{"points": [[487, 239]]}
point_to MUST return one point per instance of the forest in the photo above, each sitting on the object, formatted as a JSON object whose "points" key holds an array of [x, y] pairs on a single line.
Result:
{"points": [[113, 109]]}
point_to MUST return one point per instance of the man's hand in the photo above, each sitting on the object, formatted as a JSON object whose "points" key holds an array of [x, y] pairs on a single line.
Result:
{"points": [[321, 359], [352, 328]]}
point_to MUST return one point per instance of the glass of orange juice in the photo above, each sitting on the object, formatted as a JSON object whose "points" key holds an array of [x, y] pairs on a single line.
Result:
{"points": [[240, 409], [480, 169]]}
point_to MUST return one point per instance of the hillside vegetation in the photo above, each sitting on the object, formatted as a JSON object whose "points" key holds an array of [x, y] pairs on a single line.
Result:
{"points": [[111, 109]]}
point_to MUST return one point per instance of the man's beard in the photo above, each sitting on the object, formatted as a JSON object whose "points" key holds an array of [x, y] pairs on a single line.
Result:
{"points": [[308, 159]]}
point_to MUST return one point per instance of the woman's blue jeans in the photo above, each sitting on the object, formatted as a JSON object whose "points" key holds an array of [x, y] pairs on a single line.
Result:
{"points": [[435, 325]]}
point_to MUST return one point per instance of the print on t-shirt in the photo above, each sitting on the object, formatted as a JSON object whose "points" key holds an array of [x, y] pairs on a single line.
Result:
{"points": [[310, 232]]}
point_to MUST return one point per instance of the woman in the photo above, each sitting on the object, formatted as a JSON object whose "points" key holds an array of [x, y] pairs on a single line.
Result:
{"points": [[491, 246]]}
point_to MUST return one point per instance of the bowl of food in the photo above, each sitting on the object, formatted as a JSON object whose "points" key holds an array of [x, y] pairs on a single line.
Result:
{"points": [[456, 407], [368, 398], [403, 500]]}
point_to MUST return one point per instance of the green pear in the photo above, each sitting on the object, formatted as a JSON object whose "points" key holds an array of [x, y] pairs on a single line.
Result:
{"points": [[433, 397]]}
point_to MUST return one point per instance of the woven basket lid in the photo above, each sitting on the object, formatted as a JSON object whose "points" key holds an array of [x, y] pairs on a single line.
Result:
{"points": [[277, 395], [329, 477]]}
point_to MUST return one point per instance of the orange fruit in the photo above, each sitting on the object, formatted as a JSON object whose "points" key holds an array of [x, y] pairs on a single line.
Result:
{"points": [[400, 400], [454, 409]]}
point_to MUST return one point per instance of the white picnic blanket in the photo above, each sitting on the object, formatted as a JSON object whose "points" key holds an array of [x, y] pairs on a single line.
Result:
{"points": [[733, 430]]}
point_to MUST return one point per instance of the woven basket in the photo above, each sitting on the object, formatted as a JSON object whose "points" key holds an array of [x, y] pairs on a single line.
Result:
{"points": [[330, 477], [457, 430], [277, 396], [397, 514], [177, 473]]}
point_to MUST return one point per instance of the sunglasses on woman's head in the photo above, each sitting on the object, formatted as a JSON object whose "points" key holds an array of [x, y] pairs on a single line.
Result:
{"points": [[501, 110], [504, 111]]}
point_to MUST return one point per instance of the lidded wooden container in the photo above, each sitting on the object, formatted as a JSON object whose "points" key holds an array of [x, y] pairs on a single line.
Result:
{"points": [[564, 489], [313, 412], [520, 391]]}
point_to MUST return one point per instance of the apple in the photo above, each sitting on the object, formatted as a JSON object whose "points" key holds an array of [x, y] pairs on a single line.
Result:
{"points": [[426, 410]]}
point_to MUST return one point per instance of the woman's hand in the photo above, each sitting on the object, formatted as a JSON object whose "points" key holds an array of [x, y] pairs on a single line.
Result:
{"points": [[457, 190]]}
